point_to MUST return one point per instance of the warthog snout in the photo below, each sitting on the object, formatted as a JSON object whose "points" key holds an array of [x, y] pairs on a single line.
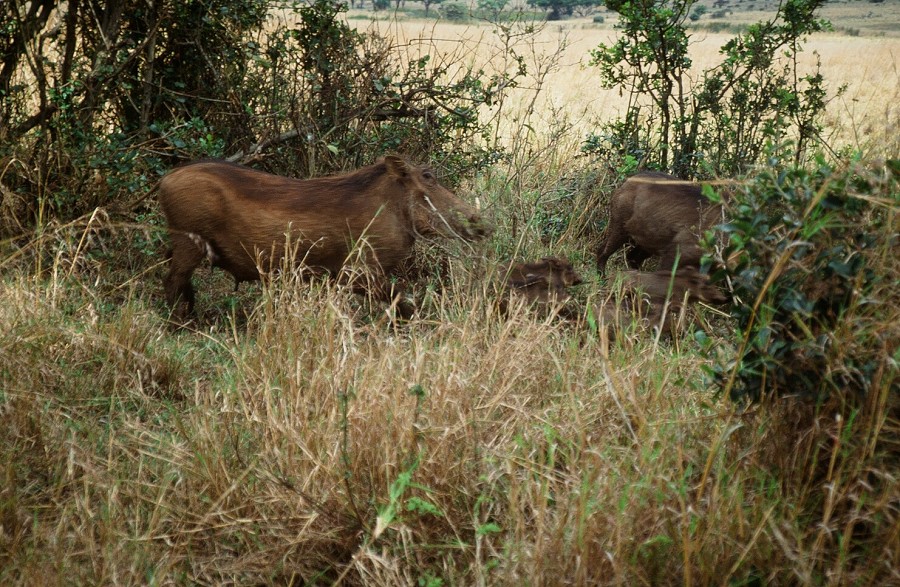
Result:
{"points": [[477, 228]]}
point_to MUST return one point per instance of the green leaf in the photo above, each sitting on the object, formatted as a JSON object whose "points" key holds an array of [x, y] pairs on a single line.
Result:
{"points": [[489, 528]]}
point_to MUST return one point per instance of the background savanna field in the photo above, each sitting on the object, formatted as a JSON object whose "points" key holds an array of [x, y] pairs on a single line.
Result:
{"points": [[294, 434]]}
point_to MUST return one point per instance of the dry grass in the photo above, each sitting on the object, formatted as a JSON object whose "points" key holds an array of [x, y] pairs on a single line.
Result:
{"points": [[313, 442]]}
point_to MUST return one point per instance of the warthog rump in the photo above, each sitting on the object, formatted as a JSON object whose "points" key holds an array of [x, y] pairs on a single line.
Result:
{"points": [[244, 220], [657, 214]]}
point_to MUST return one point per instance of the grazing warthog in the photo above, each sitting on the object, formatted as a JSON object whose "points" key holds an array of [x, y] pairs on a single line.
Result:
{"points": [[657, 214], [543, 283], [688, 285], [645, 294], [244, 220]]}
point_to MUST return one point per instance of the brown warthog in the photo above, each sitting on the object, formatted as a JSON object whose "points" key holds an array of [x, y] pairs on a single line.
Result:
{"points": [[657, 214], [244, 220], [687, 285], [544, 283], [644, 295]]}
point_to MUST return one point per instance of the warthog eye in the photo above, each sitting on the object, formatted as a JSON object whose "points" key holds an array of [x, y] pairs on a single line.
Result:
{"points": [[427, 174]]}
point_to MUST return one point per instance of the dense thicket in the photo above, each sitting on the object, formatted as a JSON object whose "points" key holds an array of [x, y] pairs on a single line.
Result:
{"points": [[97, 98], [812, 268]]}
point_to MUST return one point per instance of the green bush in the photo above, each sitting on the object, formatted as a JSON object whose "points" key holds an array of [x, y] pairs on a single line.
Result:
{"points": [[136, 87], [812, 263], [454, 11], [716, 122]]}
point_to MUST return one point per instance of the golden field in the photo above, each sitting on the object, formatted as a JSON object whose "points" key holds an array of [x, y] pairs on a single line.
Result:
{"points": [[562, 84]]}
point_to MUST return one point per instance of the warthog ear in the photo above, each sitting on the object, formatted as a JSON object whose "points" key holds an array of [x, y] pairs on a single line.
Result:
{"points": [[554, 262], [396, 166]]}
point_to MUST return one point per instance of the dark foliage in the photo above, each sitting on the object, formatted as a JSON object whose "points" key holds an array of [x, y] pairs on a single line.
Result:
{"points": [[811, 259], [99, 99]]}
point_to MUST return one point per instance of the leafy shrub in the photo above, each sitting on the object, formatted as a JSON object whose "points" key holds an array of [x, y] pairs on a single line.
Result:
{"points": [[85, 125], [455, 12], [717, 122], [811, 257], [349, 97]]}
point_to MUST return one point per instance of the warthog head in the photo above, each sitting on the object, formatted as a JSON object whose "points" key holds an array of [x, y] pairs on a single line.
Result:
{"points": [[436, 211]]}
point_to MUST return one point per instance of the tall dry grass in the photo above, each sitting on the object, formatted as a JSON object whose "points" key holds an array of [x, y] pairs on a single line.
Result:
{"points": [[307, 439]]}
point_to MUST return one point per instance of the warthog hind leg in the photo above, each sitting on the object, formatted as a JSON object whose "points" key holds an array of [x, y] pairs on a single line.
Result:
{"points": [[185, 255], [616, 238]]}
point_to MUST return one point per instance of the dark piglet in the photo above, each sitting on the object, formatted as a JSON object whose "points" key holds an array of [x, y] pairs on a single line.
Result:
{"points": [[543, 283]]}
